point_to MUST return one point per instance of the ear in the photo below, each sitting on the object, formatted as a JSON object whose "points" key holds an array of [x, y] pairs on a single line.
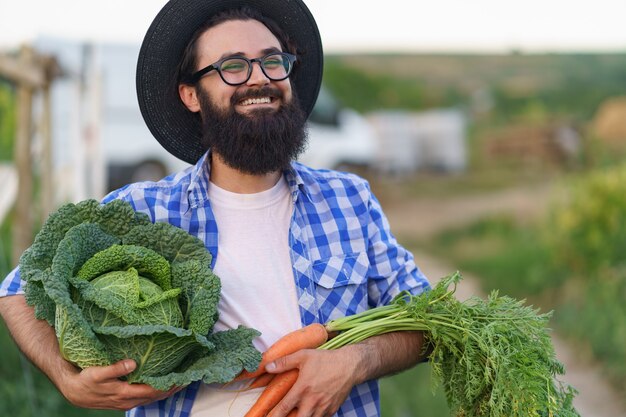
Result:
{"points": [[189, 97]]}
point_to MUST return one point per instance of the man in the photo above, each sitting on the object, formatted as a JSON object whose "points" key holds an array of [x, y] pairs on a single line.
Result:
{"points": [[229, 89]]}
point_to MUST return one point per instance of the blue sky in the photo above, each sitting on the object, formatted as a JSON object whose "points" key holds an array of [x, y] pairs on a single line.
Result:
{"points": [[359, 25]]}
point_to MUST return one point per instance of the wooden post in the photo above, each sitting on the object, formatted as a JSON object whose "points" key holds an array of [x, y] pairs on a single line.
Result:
{"points": [[30, 73], [47, 171], [23, 226]]}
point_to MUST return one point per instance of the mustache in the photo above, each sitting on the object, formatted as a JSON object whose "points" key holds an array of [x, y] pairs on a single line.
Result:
{"points": [[265, 91]]}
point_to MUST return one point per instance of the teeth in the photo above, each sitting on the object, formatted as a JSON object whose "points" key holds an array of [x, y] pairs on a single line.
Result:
{"points": [[263, 100]]}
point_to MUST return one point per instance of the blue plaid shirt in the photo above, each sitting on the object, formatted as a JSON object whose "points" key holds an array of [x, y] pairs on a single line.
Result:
{"points": [[345, 259]]}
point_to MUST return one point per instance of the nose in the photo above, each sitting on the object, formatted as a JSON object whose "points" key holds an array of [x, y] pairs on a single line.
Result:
{"points": [[257, 76]]}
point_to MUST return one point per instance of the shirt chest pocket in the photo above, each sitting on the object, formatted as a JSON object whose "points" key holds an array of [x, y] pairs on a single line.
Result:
{"points": [[341, 285]]}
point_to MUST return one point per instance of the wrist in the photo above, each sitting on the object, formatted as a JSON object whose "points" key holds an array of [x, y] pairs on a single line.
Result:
{"points": [[62, 374], [385, 354], [364, 359]]}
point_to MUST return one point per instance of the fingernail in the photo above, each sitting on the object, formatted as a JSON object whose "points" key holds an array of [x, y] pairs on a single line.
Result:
{"points": [[129, 366], [270, 366]]}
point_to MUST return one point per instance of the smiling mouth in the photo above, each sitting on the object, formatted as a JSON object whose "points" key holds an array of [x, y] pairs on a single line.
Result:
{"points": [[258, 100]]}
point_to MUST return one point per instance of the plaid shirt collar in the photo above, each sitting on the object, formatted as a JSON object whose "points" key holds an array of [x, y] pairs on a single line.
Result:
{"points": [[201, 173]]}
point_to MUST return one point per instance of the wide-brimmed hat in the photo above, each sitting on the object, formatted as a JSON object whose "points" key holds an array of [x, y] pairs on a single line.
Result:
{"points": [[177, 129]]}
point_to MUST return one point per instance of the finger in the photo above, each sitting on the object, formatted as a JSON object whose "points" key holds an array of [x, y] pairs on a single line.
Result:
{"points": [[286, 407], [154, 395], [117, 370], [293, 413], [285, 363]]}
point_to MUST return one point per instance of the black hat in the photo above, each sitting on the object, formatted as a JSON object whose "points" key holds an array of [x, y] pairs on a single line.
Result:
{"points": [[177, 129]]}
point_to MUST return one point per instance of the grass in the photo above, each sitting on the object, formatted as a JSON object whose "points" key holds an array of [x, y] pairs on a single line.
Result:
{"points": [[409, 394], [507, 257]]}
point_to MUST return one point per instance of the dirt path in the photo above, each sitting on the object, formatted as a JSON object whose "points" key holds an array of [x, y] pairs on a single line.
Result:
{"points": [[426, 217], [596, 397]]}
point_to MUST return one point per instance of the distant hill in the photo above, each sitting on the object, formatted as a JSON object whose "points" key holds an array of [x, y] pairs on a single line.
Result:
{"points": [[571, 85]]}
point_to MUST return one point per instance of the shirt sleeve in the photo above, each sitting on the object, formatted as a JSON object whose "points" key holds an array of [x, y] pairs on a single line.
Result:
{"points": [[12, 284], [392, 268]]}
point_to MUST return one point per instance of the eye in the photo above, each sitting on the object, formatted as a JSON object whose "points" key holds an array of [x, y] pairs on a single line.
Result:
{"points": [[273, 62], [234, 65]]}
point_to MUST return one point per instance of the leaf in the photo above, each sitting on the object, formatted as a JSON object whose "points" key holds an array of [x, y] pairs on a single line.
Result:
{"points": [[233, 352], [147, 262], [157, 350], [115, 218], [77, 342], [172, 243], [36, 296], [200, 294]]}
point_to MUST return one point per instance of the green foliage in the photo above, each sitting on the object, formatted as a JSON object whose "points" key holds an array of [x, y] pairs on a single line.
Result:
{"points": [[528, 87], [7, 122], [365, 92], [587, 238], [410, 394], [493, 357], [595, 318], [5, 245], [512, 259], [588, 232], [116, 286]]}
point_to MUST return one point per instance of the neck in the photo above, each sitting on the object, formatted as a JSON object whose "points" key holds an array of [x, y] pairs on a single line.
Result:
{"points": [[236, 181]]}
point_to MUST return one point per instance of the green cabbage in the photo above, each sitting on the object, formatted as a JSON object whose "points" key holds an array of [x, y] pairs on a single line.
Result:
{"points": [[116, 286]]}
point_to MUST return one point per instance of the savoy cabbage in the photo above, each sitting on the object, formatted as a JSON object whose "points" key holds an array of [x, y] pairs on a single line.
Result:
{"points": [[115, 286]]}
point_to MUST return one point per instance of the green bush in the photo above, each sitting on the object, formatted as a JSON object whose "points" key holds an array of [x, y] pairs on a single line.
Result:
{"points": [[588, 232], [509, 258], [7, 122], [571, 262]]}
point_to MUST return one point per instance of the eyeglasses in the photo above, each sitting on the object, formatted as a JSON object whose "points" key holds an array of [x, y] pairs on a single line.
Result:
{"points": [[237, 70]]}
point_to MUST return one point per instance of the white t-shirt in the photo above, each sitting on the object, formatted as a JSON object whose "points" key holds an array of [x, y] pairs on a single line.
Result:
{"points": [[258, 288]]}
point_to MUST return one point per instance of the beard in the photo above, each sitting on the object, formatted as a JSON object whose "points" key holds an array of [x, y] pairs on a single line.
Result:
{"points": [[258, 143]]}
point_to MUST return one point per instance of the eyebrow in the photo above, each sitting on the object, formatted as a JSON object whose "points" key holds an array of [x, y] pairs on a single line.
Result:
{"points": [[264, 52]]}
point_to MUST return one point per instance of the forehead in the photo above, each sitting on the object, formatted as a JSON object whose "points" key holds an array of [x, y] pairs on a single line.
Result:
{"points": [[249, 37]]}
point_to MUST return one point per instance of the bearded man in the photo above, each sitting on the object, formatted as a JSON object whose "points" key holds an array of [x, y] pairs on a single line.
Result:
{"points": [[227, 86]]}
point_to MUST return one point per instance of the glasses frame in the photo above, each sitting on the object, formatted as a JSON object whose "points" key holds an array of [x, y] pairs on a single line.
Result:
{"points": [[217, 66]]}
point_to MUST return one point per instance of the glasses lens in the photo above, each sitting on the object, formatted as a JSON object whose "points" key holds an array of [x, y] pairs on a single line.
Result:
{"points": [[276, 66], [235, 70]]}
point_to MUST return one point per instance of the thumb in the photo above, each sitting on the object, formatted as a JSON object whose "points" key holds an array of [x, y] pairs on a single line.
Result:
{"points": [[114, 371], [283, 364]]}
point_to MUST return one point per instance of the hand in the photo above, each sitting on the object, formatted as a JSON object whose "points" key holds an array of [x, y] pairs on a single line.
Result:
{"points": [[325, 379], [99, 387]]}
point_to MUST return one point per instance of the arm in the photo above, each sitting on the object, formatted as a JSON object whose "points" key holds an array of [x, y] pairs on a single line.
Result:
{"points": [[95, 387], [326, 377]]}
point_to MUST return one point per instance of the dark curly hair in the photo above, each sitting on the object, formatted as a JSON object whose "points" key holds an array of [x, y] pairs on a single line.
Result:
{"points": [[189, 62]]}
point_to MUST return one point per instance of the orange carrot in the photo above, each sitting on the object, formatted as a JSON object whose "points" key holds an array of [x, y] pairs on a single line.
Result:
{"points": [[261, 381], [293, 413], [309, 337], [273, 393]]}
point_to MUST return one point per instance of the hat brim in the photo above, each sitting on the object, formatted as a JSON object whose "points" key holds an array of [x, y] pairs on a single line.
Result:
{"points": [[177, 129]]}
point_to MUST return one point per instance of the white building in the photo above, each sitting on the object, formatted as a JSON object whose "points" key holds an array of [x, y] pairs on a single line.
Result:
{"points": [[433, 140]]}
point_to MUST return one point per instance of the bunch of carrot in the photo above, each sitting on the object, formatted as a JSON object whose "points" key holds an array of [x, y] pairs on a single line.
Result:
{"points": [[493, 357], [277, 385]]}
